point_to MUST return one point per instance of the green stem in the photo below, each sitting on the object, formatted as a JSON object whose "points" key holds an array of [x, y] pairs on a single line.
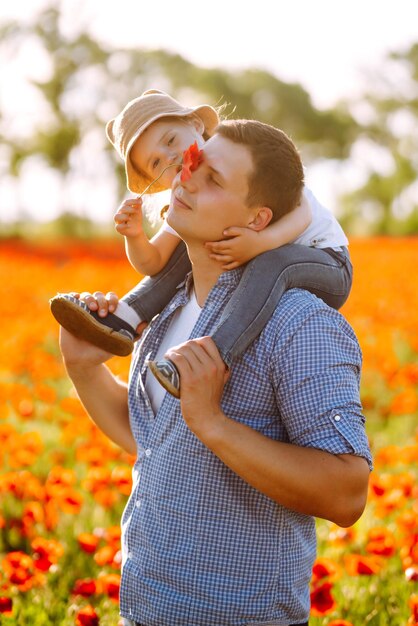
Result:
{"points": [[158, 177]]}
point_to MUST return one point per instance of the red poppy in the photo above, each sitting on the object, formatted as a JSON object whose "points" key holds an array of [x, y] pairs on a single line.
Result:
{"points": [[411, 573], [18, 568], [105, 555], [340, 622], [192, 158], [325, 568], [46, 552], [87, 617], [112, 535], [381, 541], [359, 565], [322, 601], [122, 478], [111, 585], [88, 542], [413, 604], [6, 606], [85, 587]]}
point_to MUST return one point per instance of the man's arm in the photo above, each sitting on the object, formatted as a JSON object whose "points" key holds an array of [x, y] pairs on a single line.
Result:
{"points": [[305, 479], [104, 397]]}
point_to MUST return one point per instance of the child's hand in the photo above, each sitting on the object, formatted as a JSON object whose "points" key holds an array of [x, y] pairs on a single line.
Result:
{"points": [[128, 219], [239, 246], [99, 302]]}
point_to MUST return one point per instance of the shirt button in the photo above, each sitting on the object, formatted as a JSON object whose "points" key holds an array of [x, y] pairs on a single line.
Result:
{"points": [[337, 418], [138, 503], [148, 452]]}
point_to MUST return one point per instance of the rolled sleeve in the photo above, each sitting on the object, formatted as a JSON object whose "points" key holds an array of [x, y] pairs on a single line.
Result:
{"points": [[317, 379]]}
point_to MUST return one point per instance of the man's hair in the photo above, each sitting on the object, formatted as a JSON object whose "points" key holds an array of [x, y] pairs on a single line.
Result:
{"points": [[276, 180]]}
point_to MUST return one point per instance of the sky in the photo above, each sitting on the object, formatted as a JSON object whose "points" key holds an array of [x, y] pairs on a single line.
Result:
{"points": [[327, 45], [331, 48]]}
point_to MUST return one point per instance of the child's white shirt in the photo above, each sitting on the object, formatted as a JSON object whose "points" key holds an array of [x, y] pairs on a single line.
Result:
{"points": [[324, 231]]}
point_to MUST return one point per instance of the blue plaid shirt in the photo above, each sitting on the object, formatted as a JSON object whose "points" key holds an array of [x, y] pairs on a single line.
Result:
{"points": [[201, 546]]}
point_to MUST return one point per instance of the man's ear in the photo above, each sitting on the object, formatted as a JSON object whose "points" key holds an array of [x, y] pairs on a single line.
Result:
{"points": [[261, 219]]}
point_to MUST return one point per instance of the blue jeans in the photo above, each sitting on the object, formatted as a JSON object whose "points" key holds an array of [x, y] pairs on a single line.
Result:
{"points": [[325, 272], [153, 293]]}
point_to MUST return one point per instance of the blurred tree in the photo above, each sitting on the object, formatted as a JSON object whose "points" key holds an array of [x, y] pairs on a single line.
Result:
{"points": [[87, 83], [59, 128], [257, 94], [388, 197]]}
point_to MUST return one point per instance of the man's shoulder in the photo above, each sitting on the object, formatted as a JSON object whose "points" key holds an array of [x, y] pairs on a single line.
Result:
{"points": [[300, 309], [297, 305]]}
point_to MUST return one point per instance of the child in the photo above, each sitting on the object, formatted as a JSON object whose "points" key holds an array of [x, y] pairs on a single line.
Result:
{"points": [[151, 134]]}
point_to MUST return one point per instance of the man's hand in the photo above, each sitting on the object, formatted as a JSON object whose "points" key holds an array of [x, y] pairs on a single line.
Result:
{"points": [[79, 354], [203, 376], [128, 219], [241, 245]]}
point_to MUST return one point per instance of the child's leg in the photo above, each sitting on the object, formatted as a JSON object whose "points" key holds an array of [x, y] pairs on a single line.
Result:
{"points": [[153, 293], [116, 332], [324, 272]]}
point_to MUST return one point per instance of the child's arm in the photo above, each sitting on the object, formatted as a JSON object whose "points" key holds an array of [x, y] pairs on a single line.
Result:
{"points": [[243, 244], [147, 256]]}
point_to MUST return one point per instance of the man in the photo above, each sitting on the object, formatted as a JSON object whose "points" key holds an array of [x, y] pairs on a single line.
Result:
{"points": [[219, 528]]}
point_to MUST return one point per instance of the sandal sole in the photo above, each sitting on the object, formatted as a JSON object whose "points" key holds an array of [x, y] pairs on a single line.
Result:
{"points": [[162, 380], [82, 325]]}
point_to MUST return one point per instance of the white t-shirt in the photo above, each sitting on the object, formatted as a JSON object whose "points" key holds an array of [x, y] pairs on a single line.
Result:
{"points": [[324, 231], [179, 330]]}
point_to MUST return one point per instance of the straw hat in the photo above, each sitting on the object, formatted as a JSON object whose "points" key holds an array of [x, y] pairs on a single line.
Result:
{"points": [[138, 114]]}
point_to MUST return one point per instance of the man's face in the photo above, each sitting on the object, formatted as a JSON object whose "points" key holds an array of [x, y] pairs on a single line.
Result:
{"points": [[215, 196]]}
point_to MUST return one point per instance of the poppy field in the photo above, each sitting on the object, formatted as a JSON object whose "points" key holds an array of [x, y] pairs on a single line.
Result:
{"points": [[63, 485]]}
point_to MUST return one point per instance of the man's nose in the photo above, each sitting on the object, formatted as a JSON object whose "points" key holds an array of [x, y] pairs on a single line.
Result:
{"points": [[192, 183]]}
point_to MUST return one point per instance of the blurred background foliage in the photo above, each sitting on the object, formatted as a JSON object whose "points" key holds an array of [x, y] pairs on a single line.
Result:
{"points": [[89, 82]]}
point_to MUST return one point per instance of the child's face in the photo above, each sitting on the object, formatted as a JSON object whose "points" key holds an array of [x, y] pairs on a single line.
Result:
{"points": [[162, 144]]}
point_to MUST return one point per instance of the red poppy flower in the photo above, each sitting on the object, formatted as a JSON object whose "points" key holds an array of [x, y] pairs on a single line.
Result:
{"points": [[381, 541], [192, 158], [87, 617], [88, 542], [411, 573], [413, 604], [325, 568], [85, 587], [105, 555], [18, 567], [111, 585], [6, 606], [359, 565], [46, 552], [322, 601], [340, 622]]}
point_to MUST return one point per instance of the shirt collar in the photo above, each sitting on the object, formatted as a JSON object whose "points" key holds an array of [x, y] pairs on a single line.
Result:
{"points": [[229, 280]]}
